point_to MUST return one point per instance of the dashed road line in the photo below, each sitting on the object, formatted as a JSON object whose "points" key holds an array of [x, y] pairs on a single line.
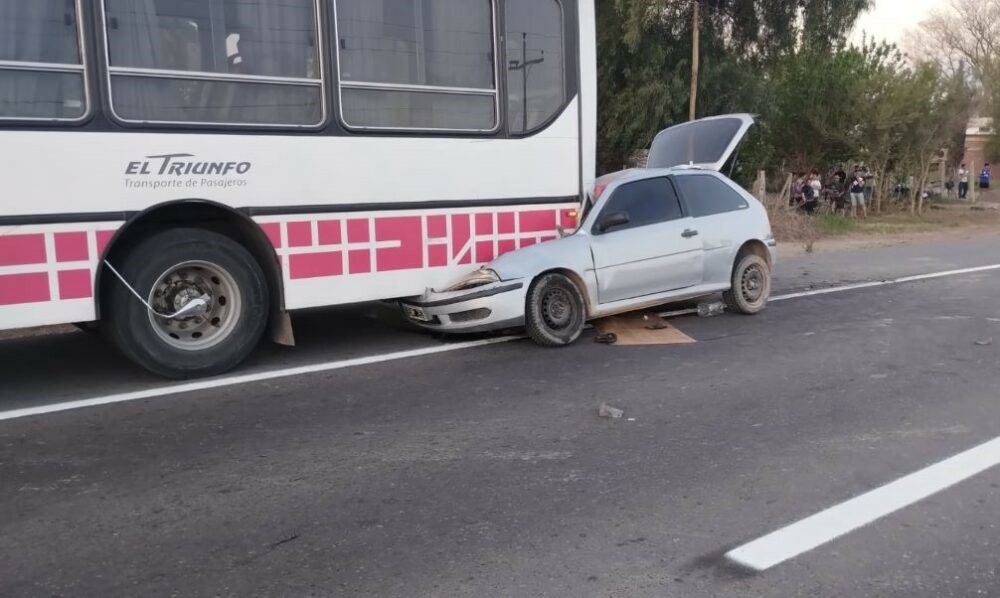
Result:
{"points": [[883, 283], [823, 527]]}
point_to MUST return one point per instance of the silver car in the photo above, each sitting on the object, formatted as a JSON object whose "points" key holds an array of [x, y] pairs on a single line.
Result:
{"points": [[675, 230]]}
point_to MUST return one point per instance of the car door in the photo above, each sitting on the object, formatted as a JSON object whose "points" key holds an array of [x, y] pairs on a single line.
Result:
{"points": [[643, 243], [720, 216]]}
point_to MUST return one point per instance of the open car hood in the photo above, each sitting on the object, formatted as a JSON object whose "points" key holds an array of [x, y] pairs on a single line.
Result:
{"points": [[706, 143]]}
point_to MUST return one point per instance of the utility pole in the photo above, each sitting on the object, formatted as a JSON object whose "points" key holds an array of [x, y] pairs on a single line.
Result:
{"points": [[695, 56]]}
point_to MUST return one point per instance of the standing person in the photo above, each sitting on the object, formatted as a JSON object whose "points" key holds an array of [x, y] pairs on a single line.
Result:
{"points": [[816, 183], [858, 194], [840, 173], [837, 194], [869, 186], [984, 177], [800, 181], [809, 197], [963, 182]]}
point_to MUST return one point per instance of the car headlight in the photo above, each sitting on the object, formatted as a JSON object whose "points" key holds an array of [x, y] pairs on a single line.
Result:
{"points": [[479, 278]]}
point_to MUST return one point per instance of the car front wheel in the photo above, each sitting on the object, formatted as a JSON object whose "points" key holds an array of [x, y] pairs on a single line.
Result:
{"points": [[751, 285], [556, 311]]}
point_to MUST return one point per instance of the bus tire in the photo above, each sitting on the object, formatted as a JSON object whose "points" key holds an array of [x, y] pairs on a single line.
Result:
{"points": [[170, 269]]}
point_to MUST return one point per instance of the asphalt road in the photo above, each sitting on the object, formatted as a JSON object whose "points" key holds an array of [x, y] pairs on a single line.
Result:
{"points": [[486, 471]]}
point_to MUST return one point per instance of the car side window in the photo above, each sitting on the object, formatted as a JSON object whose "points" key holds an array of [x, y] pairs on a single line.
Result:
{"points": [[706, 195], [646, 202]]}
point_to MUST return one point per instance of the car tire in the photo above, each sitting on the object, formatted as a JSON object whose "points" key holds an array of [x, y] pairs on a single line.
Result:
{"points": [[168, 269], [556, 311], [751, 285]]}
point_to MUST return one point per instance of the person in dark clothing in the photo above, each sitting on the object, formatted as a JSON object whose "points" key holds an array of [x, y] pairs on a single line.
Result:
{"points": [[985, 176], [809, 199]]}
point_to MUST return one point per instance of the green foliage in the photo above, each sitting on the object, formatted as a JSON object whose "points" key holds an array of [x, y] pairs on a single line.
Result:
{"points": [[820, 102], [645, 60]]}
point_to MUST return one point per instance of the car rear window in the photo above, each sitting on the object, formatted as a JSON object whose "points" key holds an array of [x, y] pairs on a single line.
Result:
{"points": [[706, 195]]}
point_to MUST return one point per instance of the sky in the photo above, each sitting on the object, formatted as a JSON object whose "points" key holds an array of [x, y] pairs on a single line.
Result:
{"points": [[892, 18]]}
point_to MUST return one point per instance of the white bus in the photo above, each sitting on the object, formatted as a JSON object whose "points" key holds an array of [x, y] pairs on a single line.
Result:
{"points": [[186, 172]]}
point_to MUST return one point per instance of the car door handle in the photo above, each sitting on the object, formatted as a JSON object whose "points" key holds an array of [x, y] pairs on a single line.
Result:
{"points": [[689, 233]]}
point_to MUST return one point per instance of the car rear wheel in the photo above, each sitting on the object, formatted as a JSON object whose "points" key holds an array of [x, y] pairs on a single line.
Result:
{"points": [[556, 311], [751, 285], [215, 278]]}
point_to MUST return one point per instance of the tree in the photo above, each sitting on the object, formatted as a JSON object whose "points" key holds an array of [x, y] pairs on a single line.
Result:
{"points": [[645, 59], [965, 40]]}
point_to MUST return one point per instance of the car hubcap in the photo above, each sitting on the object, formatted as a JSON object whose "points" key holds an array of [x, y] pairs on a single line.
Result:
{"points": [[753, 283], [557, 309], [200, 328]]}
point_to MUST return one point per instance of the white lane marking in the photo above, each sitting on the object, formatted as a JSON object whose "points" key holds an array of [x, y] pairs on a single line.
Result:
{"points": [[825, 526], [337, 365], [188, 387], [882, 283]]}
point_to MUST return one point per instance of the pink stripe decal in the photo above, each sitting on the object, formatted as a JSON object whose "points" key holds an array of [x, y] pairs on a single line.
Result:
{"points": [[505, 223], [316, 265], [380, 243], [408, 230], [357, 230], [437, 256], [16, 289], [484, 252], [21, 250], [484, 224], [437, 227], [103, 239], [538, 221], [568, 219], [273, 232], [460, 233], [300, 234], [75, 284], [359, 261], [329, 232], [72, 247]]}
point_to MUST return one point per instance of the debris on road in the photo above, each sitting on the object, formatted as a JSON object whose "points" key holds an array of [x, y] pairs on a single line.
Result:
{"points": [[709, 310], [608, 411], [606, 339], [639, 330], [985, 343], [654, 322]]}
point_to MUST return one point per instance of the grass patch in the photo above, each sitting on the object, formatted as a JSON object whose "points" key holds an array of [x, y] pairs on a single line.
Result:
{"points": [[835, 224]]}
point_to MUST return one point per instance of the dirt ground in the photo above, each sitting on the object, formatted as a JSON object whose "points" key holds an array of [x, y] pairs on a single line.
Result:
{"points": [[941, 222]]}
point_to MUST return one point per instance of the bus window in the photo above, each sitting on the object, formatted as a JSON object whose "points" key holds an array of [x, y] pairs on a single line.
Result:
{"points": [[238, 62], [535, 66], [417, 64], [41, 67]]}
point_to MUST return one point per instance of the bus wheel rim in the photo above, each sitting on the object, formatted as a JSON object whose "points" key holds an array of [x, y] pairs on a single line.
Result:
{"points": [[184, 282]]}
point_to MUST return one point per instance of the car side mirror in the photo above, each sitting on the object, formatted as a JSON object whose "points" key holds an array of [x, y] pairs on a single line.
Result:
{"points": [[612, 220]]}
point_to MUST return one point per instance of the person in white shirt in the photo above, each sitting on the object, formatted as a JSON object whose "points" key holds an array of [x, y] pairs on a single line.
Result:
{"points": [[963, 182]]}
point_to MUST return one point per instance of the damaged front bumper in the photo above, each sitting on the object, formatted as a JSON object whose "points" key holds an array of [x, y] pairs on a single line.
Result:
{"points": [[492, 306]]}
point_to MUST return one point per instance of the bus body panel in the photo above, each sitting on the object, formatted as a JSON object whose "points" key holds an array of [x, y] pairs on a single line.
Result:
{"points": [[47, 272], [353, 216]]}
